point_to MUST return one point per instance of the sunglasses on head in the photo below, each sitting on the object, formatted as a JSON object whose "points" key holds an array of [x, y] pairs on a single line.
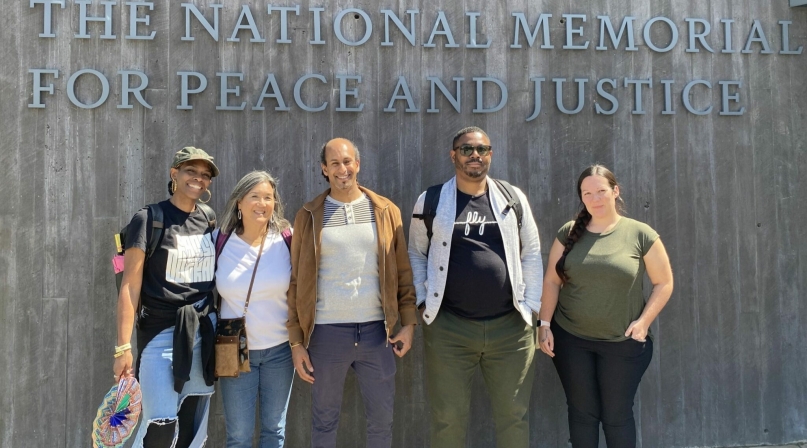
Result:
{"points": [[467, 150]]}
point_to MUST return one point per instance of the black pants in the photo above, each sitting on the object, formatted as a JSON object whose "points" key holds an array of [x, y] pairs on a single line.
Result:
{"points": [[600, 380]]}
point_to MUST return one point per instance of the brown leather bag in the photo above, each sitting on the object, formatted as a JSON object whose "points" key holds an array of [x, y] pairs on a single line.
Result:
{"points": [[232, 349], [232, 352]]}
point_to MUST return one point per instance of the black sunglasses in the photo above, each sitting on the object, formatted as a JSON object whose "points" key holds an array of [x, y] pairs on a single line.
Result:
{"points": [[467, 150]]}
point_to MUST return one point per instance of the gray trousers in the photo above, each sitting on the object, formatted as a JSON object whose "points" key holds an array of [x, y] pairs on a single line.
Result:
{"points": [[333, 350]]}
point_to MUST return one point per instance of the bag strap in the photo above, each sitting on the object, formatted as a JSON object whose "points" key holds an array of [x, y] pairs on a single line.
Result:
{"points": [[430, 203], [513, 201], [221, 240], [432, 200], [286, 234], [157, 228], [254, 270], [210, 215]]}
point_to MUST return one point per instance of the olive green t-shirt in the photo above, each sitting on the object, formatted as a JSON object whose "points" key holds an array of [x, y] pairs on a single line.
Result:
{"points": [[606, 270]]}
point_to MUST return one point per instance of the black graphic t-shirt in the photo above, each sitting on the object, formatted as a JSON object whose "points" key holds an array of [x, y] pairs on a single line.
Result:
{"points": [[182, 267], [477, 284], [177, 286]]}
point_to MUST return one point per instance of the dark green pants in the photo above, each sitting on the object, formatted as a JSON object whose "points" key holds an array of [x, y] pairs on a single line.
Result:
{"points": [[503, 348]]}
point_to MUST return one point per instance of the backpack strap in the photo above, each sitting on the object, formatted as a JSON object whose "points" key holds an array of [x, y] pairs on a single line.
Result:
{"points": [[513, 201], [286, 234], [221, 240], [430, 204], [157, 228], [210, 215]]}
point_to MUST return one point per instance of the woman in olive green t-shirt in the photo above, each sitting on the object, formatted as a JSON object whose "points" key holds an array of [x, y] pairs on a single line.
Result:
{"points": [[599, 338]]}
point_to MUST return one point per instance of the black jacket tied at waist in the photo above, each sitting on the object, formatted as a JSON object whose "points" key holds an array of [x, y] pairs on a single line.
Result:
{"points": [[186, 318]]}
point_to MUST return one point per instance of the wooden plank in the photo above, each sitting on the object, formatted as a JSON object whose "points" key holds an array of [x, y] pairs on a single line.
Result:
{"points": [[786, 181], [737, 243], [397, 144], [662, 386], [54, 348], [315, 129], [680, 417], [741, 250], [71, 198], [12, 100], [445, 64], [764, 207], [795, 152], [28, 267]]}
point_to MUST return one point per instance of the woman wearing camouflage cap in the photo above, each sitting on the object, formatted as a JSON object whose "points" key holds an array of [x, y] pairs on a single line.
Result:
{"points": [[168, 281]]}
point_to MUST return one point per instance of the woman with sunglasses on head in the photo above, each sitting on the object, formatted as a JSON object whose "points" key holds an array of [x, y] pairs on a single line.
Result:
{"points": [[172, 289], [599, 338], [253, 244]]}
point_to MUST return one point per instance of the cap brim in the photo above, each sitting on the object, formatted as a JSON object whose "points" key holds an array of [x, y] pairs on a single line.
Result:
{"points": [[213, 166]]}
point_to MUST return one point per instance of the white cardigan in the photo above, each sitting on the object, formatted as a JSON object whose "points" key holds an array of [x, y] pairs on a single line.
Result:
{"points": [[525, 269]]}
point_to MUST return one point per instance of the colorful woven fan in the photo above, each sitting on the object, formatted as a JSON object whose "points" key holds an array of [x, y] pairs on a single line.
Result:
{"points": [[117, 416]]}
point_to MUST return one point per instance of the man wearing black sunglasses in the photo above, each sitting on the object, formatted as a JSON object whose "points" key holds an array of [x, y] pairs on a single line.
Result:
{"points": [[476, 262]]}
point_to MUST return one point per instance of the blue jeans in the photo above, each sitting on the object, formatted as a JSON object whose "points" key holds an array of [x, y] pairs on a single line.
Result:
{"points": [[270, 377], [334, 349], [160, 402]]}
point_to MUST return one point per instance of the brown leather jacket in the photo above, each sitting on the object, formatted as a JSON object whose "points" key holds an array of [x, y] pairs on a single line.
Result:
{"points": [[394, 271]]}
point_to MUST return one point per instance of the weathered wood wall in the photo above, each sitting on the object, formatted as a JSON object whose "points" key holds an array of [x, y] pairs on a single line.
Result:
{"points": [[725, 193]]}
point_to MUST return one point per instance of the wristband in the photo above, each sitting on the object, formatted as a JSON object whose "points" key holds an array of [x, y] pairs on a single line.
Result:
{"points": [[294, 344], [120, 349], [543, 323]]}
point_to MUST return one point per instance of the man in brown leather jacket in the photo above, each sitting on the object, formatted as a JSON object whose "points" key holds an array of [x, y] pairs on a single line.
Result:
{"points": [[350, 284]]}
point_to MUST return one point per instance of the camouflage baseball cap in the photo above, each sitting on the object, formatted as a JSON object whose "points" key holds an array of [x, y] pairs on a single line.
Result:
{"points": [[189, 153]]}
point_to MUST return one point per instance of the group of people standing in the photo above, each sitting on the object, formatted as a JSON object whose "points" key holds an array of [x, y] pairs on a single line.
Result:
{"points": [[347, 291]]}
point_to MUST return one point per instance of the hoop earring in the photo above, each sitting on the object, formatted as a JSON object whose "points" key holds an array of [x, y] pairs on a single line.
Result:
{"points": [[239, 214], [173, 185], [209, 197]]}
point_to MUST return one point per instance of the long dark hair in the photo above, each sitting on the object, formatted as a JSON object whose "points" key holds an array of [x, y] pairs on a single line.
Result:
{"points": [[584, 217]]}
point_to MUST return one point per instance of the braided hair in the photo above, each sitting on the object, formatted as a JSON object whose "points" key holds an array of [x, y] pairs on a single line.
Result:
{"points": [[583, 218]]}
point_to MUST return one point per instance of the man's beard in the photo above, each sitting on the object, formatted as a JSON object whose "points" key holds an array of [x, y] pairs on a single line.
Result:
{"points": [[475, 173]]}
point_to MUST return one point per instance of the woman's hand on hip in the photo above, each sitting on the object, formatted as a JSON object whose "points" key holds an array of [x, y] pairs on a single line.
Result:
{"points": [[637, 330]]}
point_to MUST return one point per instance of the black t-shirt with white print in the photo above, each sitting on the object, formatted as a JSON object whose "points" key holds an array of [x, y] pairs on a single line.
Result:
{"points": [[477, 284], [182, 267], [179, 273]]}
